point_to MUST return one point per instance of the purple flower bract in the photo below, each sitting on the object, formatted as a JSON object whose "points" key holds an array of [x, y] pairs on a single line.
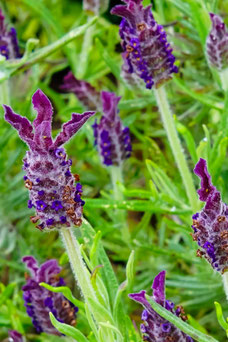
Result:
{"points": [[48, 177], [146, 50], [40, 301], [112, 139], [155, 328], [211, 224]]}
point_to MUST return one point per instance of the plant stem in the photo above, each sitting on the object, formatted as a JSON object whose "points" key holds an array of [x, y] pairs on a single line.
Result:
{"points": [[78, 266], [4, 93], [174, 141], [224, 120], [225, 283]]}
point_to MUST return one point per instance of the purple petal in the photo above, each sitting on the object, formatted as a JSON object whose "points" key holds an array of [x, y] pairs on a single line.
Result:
{"points": [[140, 298], [14, 334], [42, 124], [110, 102], [122, 11], [21, 124], [31, 264], [159, 288], [47, 269], [71, 127], [206, 186]]}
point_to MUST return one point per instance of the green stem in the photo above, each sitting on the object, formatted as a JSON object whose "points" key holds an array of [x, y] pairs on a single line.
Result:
{"points": [[225, 283], [4, 93], [84, 54], [175, 145], [78, 266]]}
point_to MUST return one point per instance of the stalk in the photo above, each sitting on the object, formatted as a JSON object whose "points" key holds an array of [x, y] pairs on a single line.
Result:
{"points": [[82, 276], [224, 121], [78, 266], [225, 283], [175, 145], [4, 93]]}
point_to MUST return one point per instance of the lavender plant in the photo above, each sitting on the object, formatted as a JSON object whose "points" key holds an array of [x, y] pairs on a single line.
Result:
{"points": [[128, 92]]}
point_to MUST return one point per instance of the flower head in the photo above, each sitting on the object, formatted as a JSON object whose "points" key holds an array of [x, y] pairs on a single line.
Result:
{"points": [[217, 43], [155, 328], [146, 50], [95, 6], [15, 336], [8, 40], [40, 301], [112, 139], [211, 224], [84, 91], [48, 176]]}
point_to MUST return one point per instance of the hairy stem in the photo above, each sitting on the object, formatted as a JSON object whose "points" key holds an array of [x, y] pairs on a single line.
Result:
{"points": [[175, 145], [78, 266], [4, 93]]}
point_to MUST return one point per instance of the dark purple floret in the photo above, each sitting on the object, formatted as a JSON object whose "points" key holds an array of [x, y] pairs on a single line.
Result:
{"points": [[84, 91], [48, 176], [211, 224], [8, 40], [155, 328], [39, 301], [217, 43], [96, 7], [146, 50], [112, 139], [15, 336]]}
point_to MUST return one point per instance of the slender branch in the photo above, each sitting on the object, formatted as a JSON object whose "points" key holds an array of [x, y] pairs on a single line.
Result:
{"points": [[175, 145], [78, 266]]}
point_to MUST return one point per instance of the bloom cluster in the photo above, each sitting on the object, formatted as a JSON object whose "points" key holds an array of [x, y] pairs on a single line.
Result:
{"points": [[40, 301], [146, 50], [155, 327], [8, 40], [84, 91], [112, 139], [54, 196], [217, 43], [211, 224]]}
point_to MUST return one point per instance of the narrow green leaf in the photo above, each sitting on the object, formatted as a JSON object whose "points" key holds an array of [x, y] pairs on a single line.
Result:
{"points": [[67, 330], [7, 292], [66, 292], [220, 317]]}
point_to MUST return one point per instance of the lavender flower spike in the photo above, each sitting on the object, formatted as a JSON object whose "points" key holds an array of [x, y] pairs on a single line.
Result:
{"points": [[146, 50], [40, 301], [217, 43], [54, 196], [211, 224], [89, 97], [15, 336], [155, 328], [8, 40], [112, 139], [95, 6]]}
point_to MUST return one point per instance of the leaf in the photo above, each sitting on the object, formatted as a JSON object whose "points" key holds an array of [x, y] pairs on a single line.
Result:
{"points": [[67, 330], [6, 293], [220, 317], [66, 293], [186, 328], [130, 269]]}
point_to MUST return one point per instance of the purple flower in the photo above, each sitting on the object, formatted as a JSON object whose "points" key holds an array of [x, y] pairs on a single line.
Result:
{"points": [[46, 174], [146, 50], [8, 40], [39, 301], [15, 336], [112, 139], [211, 224], [155, 328], [95, 6], [86, 94], [217, 43]]}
